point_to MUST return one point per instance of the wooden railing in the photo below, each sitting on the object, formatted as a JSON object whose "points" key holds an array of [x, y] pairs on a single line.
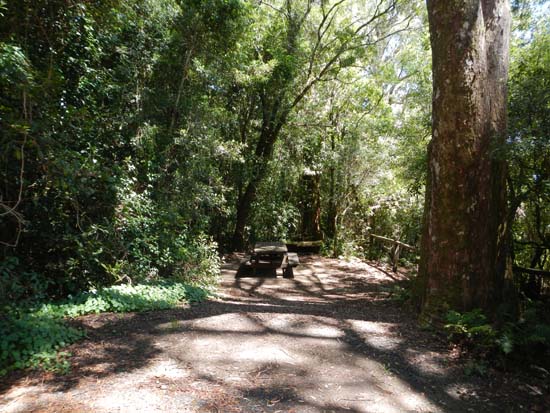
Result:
{"points": [[397, 245], [395, 250], [532, 271]]}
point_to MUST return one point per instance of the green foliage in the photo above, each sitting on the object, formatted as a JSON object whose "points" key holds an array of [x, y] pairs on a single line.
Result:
{"points": [[195, 260], [17, 286], [276, 214], [77, 86], [527, 338], [142, 123], [530, 335], [471, 328], [528, 149], [347, 247], [15, 68], [34, 340], [401, 293], [475, 368], [133, 133], [36, 335], [125, 298]]}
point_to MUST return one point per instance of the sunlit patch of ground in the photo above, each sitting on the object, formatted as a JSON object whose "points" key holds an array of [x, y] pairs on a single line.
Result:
{"points": [[329, 340]]}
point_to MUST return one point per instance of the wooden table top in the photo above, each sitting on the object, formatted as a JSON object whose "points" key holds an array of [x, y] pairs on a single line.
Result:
{"points": [[272, 247]]}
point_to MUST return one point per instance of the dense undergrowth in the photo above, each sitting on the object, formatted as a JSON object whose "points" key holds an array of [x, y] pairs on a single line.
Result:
{"points": [[513, 342], [33, 336]]}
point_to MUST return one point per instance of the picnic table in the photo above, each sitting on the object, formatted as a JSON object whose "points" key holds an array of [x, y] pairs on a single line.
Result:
{"points": [[269, 256]]}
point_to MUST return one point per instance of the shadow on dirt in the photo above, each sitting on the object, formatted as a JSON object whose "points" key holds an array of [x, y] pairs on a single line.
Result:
{"points": [[334, 317]]}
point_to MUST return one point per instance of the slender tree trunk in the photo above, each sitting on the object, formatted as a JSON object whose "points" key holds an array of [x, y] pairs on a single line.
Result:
{"points": [[184, 76], [264, 151], [244, 207], [331, 214], [464, 244], [311, 207]]}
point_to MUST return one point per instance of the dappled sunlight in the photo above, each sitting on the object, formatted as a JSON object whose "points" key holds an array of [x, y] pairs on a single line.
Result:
{"points": [[229, 322], [378, 335], [318, 367], [190, 191], [325, 280], [326, 340], [426, 363], [322, 331], [460, 390], [167, 368], [112, 399]]}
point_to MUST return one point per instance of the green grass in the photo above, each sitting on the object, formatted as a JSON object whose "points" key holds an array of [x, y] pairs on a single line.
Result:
{"points": [[33, 337]]}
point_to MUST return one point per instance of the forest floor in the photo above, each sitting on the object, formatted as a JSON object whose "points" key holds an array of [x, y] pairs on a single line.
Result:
{"points": [[330, 340]]}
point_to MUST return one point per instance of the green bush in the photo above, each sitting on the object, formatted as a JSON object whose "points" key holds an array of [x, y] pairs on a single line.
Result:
{"points": [[125, 298], [33, 340], [472, 330], [17, 285], [152, 243], [526, 338], [34, 336], [192, 260], [530, 335]]}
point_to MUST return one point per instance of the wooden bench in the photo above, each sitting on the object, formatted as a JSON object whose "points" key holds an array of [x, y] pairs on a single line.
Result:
{"points": [[245, 267], [260, 261], [289, 263]]}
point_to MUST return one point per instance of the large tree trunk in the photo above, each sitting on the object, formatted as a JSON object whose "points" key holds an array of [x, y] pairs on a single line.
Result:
{"points": [[464, 243]]}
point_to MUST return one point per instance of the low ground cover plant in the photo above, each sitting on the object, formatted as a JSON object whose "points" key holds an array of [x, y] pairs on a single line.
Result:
{"points": [[33, 337], [521, 340]]}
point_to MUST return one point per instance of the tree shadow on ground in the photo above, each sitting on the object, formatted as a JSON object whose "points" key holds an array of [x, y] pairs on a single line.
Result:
{"points": [[332, 318]]}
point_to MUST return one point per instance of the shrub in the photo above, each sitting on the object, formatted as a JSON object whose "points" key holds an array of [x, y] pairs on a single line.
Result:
{"points": [[472, 330], [33, 340], [35, 335], [526, 338], [17, 285], [530, 335], [192, 260], [125, 298]]}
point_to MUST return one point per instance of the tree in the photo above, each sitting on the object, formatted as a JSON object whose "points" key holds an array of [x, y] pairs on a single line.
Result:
{"points": [[528, 154], [305, 43], [85, 150], [464, 241]]}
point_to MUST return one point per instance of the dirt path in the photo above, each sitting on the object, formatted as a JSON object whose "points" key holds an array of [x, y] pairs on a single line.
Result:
{"points": [[328, 340]]}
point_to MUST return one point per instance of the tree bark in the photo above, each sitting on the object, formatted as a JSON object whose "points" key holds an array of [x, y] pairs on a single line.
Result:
{"points": [[332, 209], [263, 154], [464, 245], [311, 207], [244, 207]]}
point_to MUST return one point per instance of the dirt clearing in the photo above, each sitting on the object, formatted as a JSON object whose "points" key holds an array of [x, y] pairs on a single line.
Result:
{"points": [[329, 340]]}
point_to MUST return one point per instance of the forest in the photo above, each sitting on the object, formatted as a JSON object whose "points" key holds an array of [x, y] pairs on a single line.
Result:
{"points": [[145, 145]]}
